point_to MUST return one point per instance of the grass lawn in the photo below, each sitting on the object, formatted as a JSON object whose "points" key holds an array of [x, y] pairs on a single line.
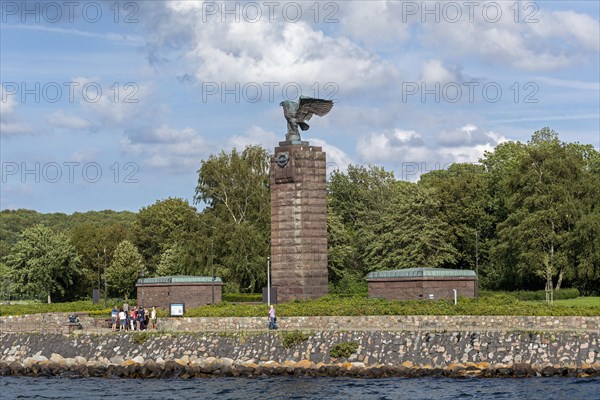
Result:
{"points": [[578, 302]]}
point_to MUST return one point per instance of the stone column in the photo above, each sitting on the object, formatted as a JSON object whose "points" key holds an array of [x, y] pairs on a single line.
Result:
{"points": [[298, 221]]}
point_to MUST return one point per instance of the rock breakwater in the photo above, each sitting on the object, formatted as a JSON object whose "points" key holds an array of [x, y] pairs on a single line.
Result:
{"points": [[374, 354]]}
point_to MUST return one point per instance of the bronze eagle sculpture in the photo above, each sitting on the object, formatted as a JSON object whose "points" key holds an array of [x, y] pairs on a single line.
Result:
{"points": [[298, 113]]}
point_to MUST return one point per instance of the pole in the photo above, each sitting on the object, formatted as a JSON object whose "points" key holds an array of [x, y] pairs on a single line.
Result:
{"points": [[105, 277], [98, 274], [212, 270], [268, 281], [477, 254], [142, 287], [9, 285]]}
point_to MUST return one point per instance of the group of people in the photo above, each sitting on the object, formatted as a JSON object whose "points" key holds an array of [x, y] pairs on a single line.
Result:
{"points": [[136, 319]]}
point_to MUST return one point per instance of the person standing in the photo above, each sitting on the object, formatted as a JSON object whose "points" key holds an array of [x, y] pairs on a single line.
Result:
{"points": [[272, 318], [153, 318], [122, 320], [114, 315]]}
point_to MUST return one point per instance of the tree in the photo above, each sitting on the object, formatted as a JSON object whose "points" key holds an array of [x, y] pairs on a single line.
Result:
{"points": [[235, 189], [43, 262], [237, 183], [165, 224], [125, 269], [409, 233], [95, 242], [465, 206], [543, 203], [356, 201]]}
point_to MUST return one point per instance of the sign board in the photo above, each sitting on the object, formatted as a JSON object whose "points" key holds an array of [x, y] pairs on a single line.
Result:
{"points": [[177, 309]]}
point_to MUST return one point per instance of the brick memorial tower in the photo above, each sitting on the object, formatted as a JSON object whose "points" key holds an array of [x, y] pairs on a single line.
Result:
{"points": [[299, 207], [298, 221]]}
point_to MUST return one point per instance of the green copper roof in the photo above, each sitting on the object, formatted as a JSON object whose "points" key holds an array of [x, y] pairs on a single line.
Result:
{"points": [[179, 279], [421, 273]]}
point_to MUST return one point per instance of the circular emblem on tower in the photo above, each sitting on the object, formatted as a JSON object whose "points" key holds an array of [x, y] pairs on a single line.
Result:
{"points": [[282, 159]]}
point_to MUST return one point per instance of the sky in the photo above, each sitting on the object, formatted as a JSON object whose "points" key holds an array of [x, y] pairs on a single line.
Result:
{"points": [[114, 104]]}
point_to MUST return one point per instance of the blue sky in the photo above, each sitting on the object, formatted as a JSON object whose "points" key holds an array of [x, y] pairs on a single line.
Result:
{"points": [[112, 105]]}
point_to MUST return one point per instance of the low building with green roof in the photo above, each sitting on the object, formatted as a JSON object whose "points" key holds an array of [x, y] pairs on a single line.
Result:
{"points": [[192, 291], [422, 284]]}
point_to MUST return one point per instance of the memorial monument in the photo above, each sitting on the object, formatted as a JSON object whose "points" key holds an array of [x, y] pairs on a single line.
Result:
{"points": [[299, 207]]}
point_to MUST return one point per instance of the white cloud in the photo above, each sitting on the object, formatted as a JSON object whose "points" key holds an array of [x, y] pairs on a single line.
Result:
{"points": [[408, 154], [433, 71], [337, 159], [576, 29], [9, 121], [132, 40], [166, 147], [391, 146], [569, 83], [467, 135], [263, 51], [63, 120], [558, 39], [255, 136], [376, 23]]}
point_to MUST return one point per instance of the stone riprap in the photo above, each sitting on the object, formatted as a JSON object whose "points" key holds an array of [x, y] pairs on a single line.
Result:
{"points": [[377, 353]]}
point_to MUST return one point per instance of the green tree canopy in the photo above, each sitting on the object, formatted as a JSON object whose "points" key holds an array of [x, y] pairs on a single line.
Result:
{"points": [[125, 269], [235, 189], [167, 223], [43, 262]]}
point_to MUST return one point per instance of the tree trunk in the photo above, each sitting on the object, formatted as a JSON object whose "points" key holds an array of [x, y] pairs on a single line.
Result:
{"points": [[560, 278], [49, 299]]}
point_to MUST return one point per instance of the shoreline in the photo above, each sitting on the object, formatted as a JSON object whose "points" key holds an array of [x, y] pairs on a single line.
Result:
{"points": [[209, 368], [364, 354]]}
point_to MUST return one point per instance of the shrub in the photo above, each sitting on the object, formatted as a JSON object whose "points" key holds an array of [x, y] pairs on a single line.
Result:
{"points": [[343, 350], [293, 338], [540, 295], [141, 337], [242, 297]]}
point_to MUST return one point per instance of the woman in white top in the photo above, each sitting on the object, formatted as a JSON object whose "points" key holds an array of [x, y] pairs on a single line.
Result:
{"points": [[123, 319]]}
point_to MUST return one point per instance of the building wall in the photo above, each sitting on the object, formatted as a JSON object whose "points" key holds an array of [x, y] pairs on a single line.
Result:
{"points": [[192, 295], [299, 224], [422, 288]]}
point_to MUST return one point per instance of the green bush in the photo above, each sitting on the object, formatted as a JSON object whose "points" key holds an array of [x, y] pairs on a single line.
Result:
{"points": [[349, 286], [242, 297], [293, 338], [343, 350], [540, 295], [490, 303], [141, 337]]}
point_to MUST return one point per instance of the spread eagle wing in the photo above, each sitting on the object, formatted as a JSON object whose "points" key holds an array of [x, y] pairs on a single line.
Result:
{"points": [[308, 106]]}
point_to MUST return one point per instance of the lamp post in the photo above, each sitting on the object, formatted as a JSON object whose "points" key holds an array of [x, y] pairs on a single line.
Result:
{"points": [[98, 274], [212, 270], [268, 281], [9, 285], [477, 254], [142, 287], [105, 286]]}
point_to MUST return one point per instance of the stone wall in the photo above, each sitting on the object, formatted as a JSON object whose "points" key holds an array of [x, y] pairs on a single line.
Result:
{"points": [[57, 322], [376, 353]]}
